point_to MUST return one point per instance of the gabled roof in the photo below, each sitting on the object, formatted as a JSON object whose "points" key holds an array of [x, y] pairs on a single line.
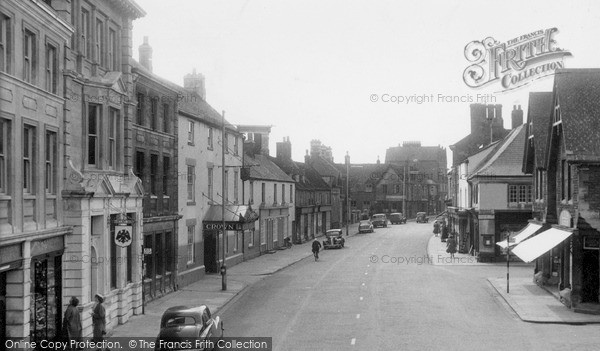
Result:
{"points": [[539, 113], [324, 167], [506, 158], [309, 179], [261, 167], [577, 91]]}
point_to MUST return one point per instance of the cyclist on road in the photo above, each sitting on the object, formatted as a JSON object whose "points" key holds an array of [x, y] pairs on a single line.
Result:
{"points": [[316, 246]]}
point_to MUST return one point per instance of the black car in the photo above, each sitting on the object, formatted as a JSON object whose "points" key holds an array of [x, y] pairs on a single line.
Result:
{"points": [[379, 220], [397, 218], [334, 239], [182, 324]]}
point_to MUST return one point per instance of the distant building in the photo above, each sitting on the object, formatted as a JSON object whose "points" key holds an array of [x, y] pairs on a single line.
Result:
{"points": [[317, 149], [312, 199], [271, 192], [323, 164], [424, 168]]}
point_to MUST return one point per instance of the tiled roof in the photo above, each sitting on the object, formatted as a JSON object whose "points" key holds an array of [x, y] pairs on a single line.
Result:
{"points": [[324, 167], [309, 178], [578, 93], [506, 158], [261, 167], [188, 102], [539, 113]]}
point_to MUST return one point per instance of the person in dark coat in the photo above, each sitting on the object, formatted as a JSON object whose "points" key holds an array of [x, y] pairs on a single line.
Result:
{"points": [[444, 229], [451, 246], [73, 320], [436, 228], [99, 319]]}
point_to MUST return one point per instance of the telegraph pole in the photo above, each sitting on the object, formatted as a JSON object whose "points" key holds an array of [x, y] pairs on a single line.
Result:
{"points": [[223, 265], [347, 192]]}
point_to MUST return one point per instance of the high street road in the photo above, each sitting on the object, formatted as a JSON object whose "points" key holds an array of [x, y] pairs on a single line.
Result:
{"points": [[381, 292]]}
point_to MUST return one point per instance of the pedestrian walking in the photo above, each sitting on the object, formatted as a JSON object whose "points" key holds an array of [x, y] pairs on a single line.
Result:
{"points": [[436, 228], [444, 230], [99, 319], [72, 321], [451, 246]]}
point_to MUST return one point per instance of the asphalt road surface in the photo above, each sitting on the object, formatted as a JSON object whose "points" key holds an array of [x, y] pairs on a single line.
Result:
{"points": [[381, 292]]}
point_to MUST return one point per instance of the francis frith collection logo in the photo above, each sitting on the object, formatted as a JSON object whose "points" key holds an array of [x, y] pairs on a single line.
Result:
{"points": [[515, 63]]}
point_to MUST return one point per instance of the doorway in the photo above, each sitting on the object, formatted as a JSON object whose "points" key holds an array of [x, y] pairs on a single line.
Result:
{"points": [[210, 251], [590, 276]]}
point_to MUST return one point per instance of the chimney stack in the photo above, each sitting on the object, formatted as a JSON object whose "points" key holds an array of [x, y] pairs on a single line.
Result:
{"points": [[194, 83], [284, 149], [145, 53], [307, 158], [516, 117]]}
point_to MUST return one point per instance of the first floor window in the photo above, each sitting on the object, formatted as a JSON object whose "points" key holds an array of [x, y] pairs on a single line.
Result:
{"points": [[154, 174], [113, 129], [29, 57], [210, 184], [191, 170], [5, 141], [190, 243], [51, 152], [5, 43], [92, 133], [51, 69], [29, 147]]}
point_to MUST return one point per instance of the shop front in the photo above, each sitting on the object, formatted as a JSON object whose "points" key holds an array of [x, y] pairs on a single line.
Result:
{"points": [[237, 222]]}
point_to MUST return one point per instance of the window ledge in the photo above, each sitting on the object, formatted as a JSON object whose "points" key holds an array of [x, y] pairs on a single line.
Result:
{"points": [[191, 203]]}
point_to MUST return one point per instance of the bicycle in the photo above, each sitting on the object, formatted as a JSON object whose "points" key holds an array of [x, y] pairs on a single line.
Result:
{"points": [[316, 254]]}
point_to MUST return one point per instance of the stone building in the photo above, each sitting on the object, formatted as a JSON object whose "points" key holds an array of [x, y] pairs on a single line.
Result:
{"points": [[34, 233], [101, 191]]}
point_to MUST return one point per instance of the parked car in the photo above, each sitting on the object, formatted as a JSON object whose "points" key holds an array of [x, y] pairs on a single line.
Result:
{"points": [[397, 218], [422, 217], [365, 227], [334, 239], [183, 323], [379, 220]]}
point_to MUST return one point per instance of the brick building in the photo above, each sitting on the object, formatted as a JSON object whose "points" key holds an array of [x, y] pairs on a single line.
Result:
{"points": [[563, 154], [155, 141]]}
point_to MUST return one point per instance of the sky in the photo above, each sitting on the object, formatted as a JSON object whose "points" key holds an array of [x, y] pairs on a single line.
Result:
{"points": [[341, 71]]}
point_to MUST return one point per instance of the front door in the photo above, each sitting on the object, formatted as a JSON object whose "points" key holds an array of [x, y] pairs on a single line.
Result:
{"points": [[590, 276]]}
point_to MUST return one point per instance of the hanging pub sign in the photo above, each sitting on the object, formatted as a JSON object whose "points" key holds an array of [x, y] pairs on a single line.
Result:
{"points": [[123, 236]]}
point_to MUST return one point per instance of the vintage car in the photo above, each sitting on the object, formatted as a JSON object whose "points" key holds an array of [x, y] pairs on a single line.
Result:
{"points": [[397, 218], [422, 217], [365, 227], [379, 220], [180, 324], [334, 239]]}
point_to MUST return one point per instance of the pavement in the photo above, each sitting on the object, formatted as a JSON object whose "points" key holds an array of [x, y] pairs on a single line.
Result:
{"points": [[529, 301], [208, 290]]}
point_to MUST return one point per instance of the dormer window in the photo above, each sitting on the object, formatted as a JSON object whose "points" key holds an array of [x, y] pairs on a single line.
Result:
{"points": [[557, 119], [530, 130]]}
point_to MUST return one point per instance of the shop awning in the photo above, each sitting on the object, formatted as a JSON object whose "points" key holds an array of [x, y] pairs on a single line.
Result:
{"points": [[525, 233], [235, 216], [533, 248]]}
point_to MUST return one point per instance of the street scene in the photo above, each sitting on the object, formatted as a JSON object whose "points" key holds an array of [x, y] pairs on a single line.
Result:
{"points": [[292, 175]]}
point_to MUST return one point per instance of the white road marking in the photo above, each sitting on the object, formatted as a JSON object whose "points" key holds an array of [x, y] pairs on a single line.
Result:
{"points": [[358, 316], [361, 298], [366, 273], [353, 341], [363, 284]]}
